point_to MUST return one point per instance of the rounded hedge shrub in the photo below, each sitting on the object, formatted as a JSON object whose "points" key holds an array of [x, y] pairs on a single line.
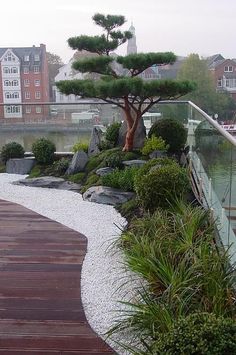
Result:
{"points": [[201, 334], [12, 150], [43, 150], [121, 179], [172, 131], [158, 183], [114, 160]]}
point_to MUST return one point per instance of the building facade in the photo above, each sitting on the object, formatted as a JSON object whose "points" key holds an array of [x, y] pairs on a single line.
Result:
{"points": [[23, 79], [224, 73]]}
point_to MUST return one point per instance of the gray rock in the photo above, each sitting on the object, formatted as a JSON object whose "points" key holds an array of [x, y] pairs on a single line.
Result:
{"points": [[107, 195], [139, 136], [50, 182], [157, 154], [135, 162], [104, 171], [95, 141], [20, 166], [78, 163]]}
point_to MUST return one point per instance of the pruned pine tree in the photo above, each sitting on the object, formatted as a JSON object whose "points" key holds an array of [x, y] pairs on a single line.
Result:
{"points": [[124, 88]]}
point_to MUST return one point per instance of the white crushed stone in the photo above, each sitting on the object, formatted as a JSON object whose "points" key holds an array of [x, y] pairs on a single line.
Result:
{"points": [[103, 273]]}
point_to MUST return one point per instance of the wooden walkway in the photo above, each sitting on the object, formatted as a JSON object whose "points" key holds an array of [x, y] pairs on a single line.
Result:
{"points": [[40, 305]]}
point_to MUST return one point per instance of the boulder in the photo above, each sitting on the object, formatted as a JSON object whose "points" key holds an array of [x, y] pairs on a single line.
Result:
{"points": [[49, 182], [95, 141], [20, 166], [157, 154], [78, 163], [139, 137], [136, 162], [104, 171], [107, 195]]}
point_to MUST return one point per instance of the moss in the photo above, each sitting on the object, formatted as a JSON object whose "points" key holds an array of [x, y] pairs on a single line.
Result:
{"points": [[37, 171], [76, 178], [92, 180]]}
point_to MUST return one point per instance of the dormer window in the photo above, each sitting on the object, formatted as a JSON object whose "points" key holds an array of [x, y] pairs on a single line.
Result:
{"points": [[36, 58], [228, 69], [9, 58], [26, 58]]}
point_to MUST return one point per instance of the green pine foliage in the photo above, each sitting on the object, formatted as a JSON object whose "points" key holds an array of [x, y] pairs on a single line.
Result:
{"points": [[12, 150], [43, 150], [121, 87]]}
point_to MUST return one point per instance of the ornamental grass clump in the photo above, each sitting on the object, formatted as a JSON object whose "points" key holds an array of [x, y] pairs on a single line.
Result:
{"points": [[154, 143], [121, 179], [12, 150]]}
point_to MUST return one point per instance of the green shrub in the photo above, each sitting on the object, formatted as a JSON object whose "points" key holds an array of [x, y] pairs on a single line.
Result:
{"points": [[80, 146], [59, 167], [129, 209], [154, 143], [76, 178], [114, 160], [12, 150], [161, 184], [200, 333], [121, 179], [112, 133], [43, 150], [92, 180], [35, 172], [173, 133]]}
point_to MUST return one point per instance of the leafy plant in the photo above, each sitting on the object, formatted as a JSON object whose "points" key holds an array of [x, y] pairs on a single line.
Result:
{"points": [[76, 178], [60, 166], [200, 333], [43, 150], [154, 143], [160, 185], [80, 146], [121, 179], [172, 132], [112, 133], [12, 150], [114, 160]]}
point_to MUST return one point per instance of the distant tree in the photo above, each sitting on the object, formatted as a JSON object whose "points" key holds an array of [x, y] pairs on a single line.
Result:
{"points": [[128, 91], [54, 63], [205, 95]]}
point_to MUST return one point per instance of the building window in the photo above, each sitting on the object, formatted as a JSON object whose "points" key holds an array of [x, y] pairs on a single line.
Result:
{"points": [[28, 109], [14, 70], [27, 95], [9, 58], [37, 83], [37, 95], [26, 58], [26, 70], [12, 109], [228, 68], [7, 83], [26, 82], [36, 58], [219, 83], [36, 69], [15, 95], [6, 70], [15, 83], [38, 109]]}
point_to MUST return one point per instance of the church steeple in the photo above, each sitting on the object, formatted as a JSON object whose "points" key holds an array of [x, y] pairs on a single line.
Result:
{"points": [[132, 46]]}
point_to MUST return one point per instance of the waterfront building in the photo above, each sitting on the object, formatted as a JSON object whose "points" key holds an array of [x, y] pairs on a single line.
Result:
{"points": [[23, 79]]}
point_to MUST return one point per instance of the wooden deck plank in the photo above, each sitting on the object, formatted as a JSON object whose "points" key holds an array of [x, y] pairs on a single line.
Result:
{"points": [[41, 312]]}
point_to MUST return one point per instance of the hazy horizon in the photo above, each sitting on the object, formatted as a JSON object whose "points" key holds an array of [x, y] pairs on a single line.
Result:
{"points": [[205, 27]]}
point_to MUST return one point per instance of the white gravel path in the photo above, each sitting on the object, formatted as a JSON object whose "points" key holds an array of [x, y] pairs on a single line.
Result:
{"points": [[102, 273]]}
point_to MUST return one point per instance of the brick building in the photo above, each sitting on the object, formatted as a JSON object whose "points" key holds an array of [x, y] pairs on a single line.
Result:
{"points": [[224, 73], [23, 79]]}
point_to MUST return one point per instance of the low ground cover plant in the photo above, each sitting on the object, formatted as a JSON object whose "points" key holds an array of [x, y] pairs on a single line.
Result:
{"points": [[121, 179], [12, 150], [80, 146]]}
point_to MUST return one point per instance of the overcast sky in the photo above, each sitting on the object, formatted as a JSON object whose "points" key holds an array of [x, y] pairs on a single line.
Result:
{"points": [[205, 27]]}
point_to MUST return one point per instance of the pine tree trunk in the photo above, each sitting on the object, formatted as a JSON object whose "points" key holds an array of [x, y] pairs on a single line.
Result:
{"points": [[129, 140]]}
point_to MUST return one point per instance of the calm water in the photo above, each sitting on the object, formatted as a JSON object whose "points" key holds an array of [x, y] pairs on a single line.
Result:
{"points": [[64, 141]]}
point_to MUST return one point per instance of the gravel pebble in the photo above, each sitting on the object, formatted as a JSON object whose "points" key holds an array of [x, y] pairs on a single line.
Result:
{"points": [[103, 272]]}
